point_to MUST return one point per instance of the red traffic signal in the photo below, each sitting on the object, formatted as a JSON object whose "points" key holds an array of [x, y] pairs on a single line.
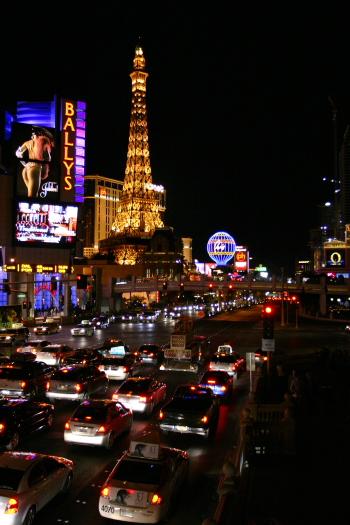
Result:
{"points": [[268, 311]]}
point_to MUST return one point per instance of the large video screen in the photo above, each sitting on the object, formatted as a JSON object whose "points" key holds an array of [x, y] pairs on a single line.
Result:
{"points": [[35, 157], [38, 224]]}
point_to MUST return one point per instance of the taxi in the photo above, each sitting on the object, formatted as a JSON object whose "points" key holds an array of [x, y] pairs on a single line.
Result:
{"points": [[144, 482]]}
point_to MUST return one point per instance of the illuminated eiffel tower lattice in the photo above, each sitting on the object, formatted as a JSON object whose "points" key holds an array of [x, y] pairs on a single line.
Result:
{"points": [[141, 202]]}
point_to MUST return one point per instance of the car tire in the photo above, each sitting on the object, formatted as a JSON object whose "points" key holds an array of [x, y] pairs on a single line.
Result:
{"points": [[30, 516], [67, 484], [14, 441], [111, 441]]}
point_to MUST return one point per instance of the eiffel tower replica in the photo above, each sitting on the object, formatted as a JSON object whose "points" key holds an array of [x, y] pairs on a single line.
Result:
{"points": [[141, 204]]}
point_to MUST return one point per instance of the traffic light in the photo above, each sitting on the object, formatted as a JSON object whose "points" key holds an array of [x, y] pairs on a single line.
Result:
{"points": [[268, 315], [53, 284], [81, 281]]}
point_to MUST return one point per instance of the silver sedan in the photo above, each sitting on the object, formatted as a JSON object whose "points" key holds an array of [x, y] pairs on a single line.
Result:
{"points": [[28, 482]]}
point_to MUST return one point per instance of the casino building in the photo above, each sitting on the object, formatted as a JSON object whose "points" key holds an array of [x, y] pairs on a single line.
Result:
{"points": [[39, 232]]}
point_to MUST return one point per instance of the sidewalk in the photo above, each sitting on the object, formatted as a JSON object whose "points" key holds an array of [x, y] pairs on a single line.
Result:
{"points": [[306, 488]]}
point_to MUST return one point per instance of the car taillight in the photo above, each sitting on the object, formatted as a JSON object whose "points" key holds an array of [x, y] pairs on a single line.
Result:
{"points": [[223, 389], [204, 419], [48, 386], [78, 387], [22, 384], [12, 506], [211, 382], [101, 367], [2, 428], [150, 355], [67, 426], [105, 492], [233, 367], [143, 399], [103, 429], [156, 499], [126, 369], [161, 414]]}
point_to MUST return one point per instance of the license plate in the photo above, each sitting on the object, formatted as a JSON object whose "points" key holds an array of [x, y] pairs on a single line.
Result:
{"points": [[127, 513], [181, 428], [107, 508]]}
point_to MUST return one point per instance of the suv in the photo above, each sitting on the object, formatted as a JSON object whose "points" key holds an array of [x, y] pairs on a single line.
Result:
{"points": [[76, 382], [24, 378], [54, 354]]}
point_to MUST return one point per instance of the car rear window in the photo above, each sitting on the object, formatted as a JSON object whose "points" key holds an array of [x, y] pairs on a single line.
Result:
{"points": [[115, 361], [147, 472], [219, 376], [135, 386], [224, 359], [14, 373], [149, 349], [191, 404], [10, 478], [94, 414], [67, 374]]}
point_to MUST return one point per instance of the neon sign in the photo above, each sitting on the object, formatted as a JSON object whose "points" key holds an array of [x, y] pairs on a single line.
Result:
{"points": [[221, 247], [73, 125]]}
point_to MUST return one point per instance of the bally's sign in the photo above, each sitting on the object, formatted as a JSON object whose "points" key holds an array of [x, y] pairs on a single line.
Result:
{"points": [[73, 135]]}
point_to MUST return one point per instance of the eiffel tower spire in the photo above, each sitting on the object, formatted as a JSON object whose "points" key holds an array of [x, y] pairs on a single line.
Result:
{"points": [[140, 206]]}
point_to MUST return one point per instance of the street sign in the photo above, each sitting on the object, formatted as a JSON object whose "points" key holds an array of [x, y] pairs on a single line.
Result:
{"points": [[268, 345], [250, 361]]}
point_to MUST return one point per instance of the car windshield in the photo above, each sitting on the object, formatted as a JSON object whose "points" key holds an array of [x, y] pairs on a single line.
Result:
{"points": [[147, 472], [10, 478], [88, 413], [189, 404], [135, 386]]}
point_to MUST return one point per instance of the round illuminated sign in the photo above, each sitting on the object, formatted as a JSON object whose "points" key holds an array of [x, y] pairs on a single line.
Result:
{"points": [[221, 247]]}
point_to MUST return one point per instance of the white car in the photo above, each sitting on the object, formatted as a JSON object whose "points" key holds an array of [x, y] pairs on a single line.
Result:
{"points": [[83, 329], [28, 482], [144, 483]]}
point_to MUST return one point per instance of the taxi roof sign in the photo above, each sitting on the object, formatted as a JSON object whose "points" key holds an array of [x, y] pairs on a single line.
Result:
{"points": [[225, 349], [146, 445]]}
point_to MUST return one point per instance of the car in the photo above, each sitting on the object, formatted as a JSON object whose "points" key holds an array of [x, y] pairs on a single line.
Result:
{"points": [[28, 482], [101, 321], [148, 316], [83, 356], [191, 410], [220, 382], [98, 423], [233, 363], [141, 394], [20, 418], [47, 328], [144, 483], [32, 347], [116, 368], [53, 354], [150, 354], [24, 378], [76, 383], [14, 336], [83, 329]]}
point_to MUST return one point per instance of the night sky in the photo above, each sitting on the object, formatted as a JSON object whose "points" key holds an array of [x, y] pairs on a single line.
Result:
{"points": [[239, 120]]}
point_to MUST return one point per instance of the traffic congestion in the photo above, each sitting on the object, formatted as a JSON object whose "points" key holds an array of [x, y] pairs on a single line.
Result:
{"points": [[139, 446]]}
